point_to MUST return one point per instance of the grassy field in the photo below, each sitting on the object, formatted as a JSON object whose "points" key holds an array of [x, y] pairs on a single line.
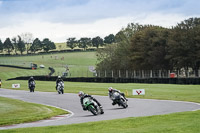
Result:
{"points": [[16, 111], [187, 122], [77, 62]]}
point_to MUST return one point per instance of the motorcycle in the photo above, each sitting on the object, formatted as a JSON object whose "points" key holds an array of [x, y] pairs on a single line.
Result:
{"points": [[60, 88], [92, 106], [32, 86], [119, 99]]}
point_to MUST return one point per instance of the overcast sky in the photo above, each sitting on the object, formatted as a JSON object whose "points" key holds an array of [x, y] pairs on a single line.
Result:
{"points": [[61, 19]]}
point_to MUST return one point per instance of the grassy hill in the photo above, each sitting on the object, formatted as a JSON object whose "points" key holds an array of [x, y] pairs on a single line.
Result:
{"points": [[77, 62]]}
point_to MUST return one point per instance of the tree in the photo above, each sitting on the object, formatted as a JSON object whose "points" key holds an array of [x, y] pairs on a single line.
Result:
{"points": [[97, 41], [71, 42], [1, 46], [148, 49], [28, 40], [117, 55], [109, 39], [184, 45], [48, 45], [84, 43], [21, 45], [14, 41], [37, 45], [8, 45]]}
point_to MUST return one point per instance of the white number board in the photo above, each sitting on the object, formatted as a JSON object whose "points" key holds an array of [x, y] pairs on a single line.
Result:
{"points": [[15, 85], [138, 91]]}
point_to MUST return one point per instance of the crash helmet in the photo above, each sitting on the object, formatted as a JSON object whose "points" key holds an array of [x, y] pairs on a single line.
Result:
{"points": [[31, 77], [59, 77], [81, 94], [110, 89]]}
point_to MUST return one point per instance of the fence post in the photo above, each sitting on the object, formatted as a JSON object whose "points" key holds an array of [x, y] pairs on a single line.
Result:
{"points": [[198, 73], [105, 73], [168, 73], [142, 73], [119, 74], [112, 73], [134, 74], [126, 73], [99, 74]]}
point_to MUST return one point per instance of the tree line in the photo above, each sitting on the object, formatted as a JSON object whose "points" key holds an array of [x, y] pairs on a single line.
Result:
{"points": [[149, 47], [25, 42], [86, 42]]}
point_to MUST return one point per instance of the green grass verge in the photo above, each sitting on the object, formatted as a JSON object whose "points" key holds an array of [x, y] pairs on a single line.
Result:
{"points": [[153, 91], [17, 111], [187, 122]]}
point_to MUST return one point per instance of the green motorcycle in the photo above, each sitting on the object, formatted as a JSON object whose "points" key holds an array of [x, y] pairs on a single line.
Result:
{"points": [[91, 106]]}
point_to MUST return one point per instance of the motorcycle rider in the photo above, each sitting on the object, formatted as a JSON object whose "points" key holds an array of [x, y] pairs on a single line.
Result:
{"points": [[58, 80], [82, 95], [30, 80], [112, 91]]}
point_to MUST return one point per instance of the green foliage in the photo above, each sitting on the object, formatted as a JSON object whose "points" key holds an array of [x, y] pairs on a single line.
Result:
{"points": [[84, 42], [150, 47], [109, 39], [116, 56], [71, 42], [8, 45], [37, 45], [97, 41], [48, 45], [184, 46], [21, 45], [14, 42], [1, 46]]}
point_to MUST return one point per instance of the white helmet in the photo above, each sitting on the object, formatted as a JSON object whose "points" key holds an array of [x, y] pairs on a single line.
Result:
{"points": [[110, 89], [80, 94], [59, 77]]}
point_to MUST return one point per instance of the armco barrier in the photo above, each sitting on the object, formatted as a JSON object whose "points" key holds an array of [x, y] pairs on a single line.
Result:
{"points": [[16, 66], [119, 80]]}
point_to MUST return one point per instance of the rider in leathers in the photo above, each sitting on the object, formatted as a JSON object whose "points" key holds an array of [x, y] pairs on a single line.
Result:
{"points": [[30, 80], [59, 79], [112, 91], [82, 95]]}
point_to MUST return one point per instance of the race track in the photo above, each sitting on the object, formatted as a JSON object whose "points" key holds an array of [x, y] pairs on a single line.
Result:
{"points": [[71, 102]]}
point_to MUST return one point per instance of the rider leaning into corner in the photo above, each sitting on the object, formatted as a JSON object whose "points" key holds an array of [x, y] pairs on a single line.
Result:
{"points": [[82, 95], [112, 91], [58, 80]]}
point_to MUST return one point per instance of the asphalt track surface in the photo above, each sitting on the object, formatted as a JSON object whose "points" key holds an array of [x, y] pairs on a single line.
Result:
{"points": [[71, 102]]}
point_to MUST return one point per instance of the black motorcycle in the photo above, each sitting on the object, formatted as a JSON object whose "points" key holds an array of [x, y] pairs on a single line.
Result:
{"points": [[60, 88], [119, 99], [32, 86]]}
